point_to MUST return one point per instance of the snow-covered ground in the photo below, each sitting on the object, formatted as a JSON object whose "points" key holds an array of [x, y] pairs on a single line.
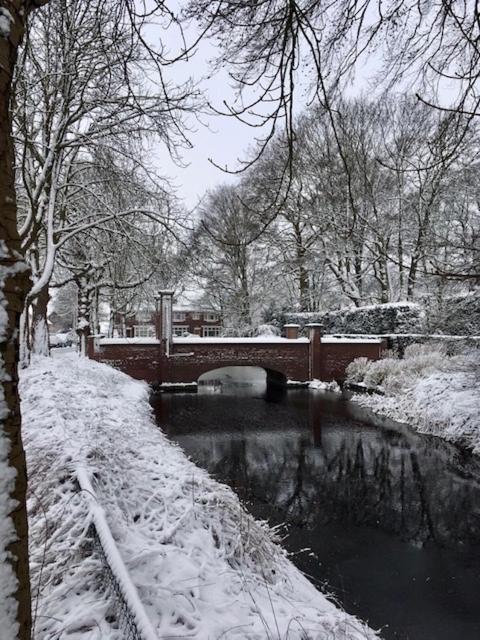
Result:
{"points": [[202, 566], [432, 392]]}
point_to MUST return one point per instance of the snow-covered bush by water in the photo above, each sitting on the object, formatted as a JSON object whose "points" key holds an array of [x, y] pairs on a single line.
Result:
{"points": [[392, 374], [432, 391], [203, 567]]}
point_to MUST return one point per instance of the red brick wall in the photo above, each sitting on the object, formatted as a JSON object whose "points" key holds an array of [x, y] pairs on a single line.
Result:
{"points": [[334, 358], [189, 361], [288, 359], [141, 361]]}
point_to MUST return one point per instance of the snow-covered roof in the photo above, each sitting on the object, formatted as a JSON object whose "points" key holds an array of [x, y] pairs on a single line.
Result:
{"points": [[194, 308]]}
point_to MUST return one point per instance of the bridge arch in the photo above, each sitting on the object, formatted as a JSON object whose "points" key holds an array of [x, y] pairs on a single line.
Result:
{"points": [[243, 373]]}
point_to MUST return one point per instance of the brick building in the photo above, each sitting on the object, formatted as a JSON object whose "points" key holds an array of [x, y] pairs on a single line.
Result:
{"points": [[205, 323]]}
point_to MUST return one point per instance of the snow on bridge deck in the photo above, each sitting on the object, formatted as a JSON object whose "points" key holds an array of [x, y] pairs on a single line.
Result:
{"points": [[326, 339]]}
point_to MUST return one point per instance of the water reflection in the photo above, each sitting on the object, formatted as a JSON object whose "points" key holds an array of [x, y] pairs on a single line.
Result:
{"points": [[385, 511], [234, 381]]}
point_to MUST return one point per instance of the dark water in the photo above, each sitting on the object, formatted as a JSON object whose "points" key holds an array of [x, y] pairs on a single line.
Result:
{"points": [[391, 518]]}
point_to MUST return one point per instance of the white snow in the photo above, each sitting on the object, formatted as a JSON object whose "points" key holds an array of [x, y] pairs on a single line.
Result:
{"points": [[319, 385], [83, 323], [202, 566], [106, 341], [114, 558], [6, 20], [433, 392], [348, 340], [257, 340], [186, 385], [383, 305], [263, 339]]}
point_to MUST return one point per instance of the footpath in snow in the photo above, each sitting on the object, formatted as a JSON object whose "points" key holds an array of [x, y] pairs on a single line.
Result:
{"points": [[202, 566], [433, 392]]}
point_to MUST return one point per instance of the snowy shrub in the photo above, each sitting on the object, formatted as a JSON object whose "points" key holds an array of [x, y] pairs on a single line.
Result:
{"points": [[434, 393], [392, 373], [378, 372], [417, 350], [267, 330], [357, 369]]}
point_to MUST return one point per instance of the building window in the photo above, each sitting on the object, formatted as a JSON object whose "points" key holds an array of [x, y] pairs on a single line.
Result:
{"points": [[143, 331], [211, 332], [211, 317], [179, 316], [180, 331], [196, 315]]}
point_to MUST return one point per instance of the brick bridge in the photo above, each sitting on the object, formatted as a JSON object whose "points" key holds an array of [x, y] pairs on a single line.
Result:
{"points": [[166, 359]]}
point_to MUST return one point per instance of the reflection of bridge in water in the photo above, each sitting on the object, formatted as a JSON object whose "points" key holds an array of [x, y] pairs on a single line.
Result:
{"points": [[165, 359]]}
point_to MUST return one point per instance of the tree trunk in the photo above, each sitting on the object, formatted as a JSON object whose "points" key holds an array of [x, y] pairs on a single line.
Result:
{"points": [[302, 273], [95, 321], [39, 339], [83, 321], [15, 606]]}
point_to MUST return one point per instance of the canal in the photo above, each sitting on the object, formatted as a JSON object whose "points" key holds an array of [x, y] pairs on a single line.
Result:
{"points": [[386, 520]]}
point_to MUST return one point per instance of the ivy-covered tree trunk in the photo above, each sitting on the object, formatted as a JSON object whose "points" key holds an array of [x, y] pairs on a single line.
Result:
{"points": [[15, 598]]}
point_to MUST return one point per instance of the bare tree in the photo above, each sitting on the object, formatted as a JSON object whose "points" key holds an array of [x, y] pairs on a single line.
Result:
{"points": [[14, 284], [232, 271], [78, 89], [14, 275]]}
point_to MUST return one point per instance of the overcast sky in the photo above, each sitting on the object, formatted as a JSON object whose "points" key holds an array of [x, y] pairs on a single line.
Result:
{"points": [[224, 139]]}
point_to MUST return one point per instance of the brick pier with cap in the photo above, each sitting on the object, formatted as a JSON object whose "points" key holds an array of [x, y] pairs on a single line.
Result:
{"points": [[169, 360]]}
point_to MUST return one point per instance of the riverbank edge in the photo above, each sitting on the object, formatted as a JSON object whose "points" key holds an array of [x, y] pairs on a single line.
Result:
{"points": [[75, 412], [400, 410]]}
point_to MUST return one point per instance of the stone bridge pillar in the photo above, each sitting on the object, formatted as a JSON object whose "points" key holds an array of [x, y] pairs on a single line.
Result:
{"points": [[315, 332], [163, 320], [291, 331]]}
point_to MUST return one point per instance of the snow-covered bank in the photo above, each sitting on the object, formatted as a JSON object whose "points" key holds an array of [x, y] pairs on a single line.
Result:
{"points": [[434, 393], [203, 567]]}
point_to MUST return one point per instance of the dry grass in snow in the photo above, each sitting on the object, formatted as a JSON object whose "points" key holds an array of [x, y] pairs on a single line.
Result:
{"points": [[203, 567], [433, 392]]}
